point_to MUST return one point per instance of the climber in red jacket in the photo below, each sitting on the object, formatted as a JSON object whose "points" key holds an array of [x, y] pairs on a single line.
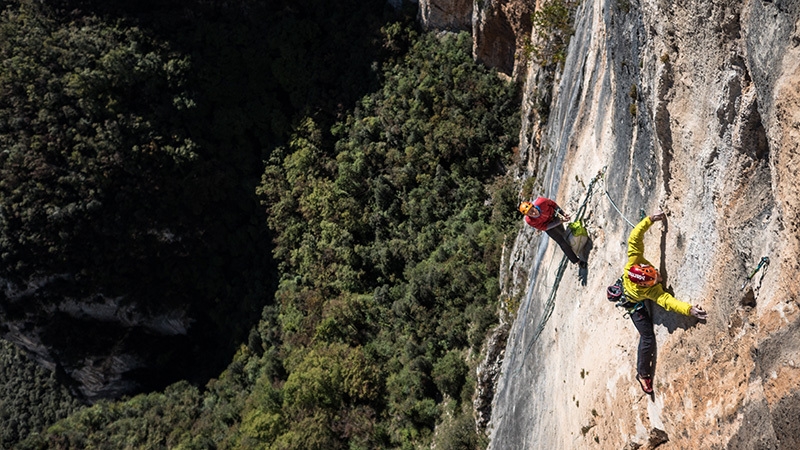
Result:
{"points": [[545, 215]]}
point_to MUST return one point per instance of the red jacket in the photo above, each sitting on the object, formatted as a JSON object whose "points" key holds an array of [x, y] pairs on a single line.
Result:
{"points": [[547, 219]]}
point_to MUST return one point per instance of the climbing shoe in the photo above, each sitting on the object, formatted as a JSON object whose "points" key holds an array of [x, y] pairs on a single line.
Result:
{"points": [[645, 383]]}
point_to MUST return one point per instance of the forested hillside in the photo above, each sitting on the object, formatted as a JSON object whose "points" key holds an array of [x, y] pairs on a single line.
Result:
{"points": [[132, 146], [325, 168]]}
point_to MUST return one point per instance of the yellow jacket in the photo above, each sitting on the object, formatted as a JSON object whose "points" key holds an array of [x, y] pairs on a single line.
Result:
{"points": [[636, 293]]}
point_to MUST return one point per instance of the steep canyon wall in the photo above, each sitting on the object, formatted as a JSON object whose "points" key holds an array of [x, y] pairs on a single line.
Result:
{"points": [[691, 107]]}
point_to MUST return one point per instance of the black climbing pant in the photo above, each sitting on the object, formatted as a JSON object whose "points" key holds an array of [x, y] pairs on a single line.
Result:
{"points": [[647, 342], [559, 234]]}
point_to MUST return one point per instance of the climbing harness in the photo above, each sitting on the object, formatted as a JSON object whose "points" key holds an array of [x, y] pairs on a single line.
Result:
{"points": [[633, 309], [764, 263], [616, 294]]}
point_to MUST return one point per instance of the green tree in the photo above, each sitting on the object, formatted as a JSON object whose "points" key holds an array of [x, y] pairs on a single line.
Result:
{"points": [[450, 373]]}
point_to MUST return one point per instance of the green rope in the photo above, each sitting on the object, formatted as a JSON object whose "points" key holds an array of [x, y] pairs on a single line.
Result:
{"points": [[582, 208], [549, 307]]}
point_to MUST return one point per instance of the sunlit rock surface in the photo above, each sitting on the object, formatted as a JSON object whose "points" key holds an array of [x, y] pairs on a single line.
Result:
{"points": [[693, 108]]}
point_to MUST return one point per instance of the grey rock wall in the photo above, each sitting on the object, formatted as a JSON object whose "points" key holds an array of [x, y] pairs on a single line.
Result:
{"points": [[452, 15], [691, 107]]}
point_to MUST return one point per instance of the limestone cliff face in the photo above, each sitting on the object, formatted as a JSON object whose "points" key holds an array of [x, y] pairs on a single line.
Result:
{"points": [[500, 28], [692, 107]]}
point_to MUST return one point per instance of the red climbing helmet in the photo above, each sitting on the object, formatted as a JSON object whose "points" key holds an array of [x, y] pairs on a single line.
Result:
{"points": [[643, 275]]}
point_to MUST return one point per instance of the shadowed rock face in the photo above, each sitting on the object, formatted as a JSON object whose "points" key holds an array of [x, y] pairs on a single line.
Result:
{"points": [[453, 15], [106, 347], [690, 107], [500, 29]]}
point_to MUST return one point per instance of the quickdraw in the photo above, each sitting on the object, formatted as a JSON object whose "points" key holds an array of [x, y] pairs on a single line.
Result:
{"points": [[764, 263], [633, 309]]}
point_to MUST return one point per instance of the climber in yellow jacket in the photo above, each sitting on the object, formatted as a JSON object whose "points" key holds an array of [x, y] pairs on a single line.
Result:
{"points": [[641, 281]]}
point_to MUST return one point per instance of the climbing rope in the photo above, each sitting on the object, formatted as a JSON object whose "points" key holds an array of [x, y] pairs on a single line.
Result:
{"points": [[620, 212], [642, 214], [589, 189], [549, 306], [764, 263]]}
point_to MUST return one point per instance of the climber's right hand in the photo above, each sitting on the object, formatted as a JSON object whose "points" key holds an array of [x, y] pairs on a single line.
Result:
{"points": [[658, 215], [698, 312]]}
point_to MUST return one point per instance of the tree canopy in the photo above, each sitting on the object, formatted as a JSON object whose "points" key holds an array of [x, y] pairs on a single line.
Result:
{"points": [[387, 220]]}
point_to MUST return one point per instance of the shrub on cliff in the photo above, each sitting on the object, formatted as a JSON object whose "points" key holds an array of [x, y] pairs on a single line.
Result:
{"points": [[552, 25]]}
